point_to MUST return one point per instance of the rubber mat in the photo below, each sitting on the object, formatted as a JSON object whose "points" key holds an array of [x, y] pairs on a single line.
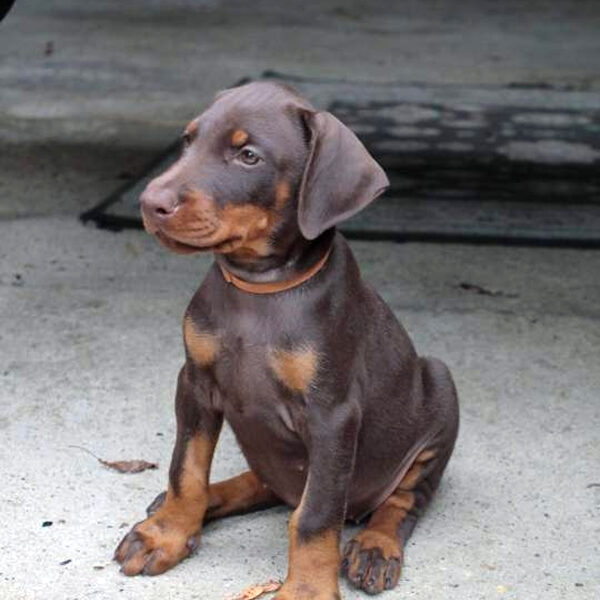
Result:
{"points": [[496, 165]]}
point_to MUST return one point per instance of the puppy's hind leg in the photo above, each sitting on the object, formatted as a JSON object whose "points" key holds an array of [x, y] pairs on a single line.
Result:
{"points": [[241, 494], [373, 558]]}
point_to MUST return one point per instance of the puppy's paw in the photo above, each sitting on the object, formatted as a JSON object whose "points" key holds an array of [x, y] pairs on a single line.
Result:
{"points": [[373, 561], [153, 546]]}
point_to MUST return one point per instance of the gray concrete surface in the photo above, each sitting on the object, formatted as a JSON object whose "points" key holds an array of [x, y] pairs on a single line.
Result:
{"points": [[90, 320], [90, 337]]}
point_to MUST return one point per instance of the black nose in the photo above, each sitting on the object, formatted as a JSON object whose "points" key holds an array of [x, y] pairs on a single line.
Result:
{"points": [[158, 203]]}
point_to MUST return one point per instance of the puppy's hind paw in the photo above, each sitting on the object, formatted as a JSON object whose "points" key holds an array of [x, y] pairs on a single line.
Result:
{"points": [[372, 567]]}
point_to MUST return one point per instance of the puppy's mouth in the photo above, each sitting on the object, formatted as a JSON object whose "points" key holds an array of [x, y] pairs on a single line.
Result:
{"points": [[181, 247]]}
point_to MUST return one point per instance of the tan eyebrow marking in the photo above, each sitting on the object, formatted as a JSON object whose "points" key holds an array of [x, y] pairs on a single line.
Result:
{"points": [[239, 137], [191, 128]]}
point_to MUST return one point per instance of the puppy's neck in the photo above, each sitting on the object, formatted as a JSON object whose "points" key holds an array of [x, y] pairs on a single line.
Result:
{"points": [[299, 258]]}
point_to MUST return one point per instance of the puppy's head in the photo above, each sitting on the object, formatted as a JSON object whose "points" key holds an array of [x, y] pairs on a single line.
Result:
{"points": [[260, 168]]}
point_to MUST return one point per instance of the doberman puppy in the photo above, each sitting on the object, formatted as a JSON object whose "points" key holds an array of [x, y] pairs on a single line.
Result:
{"points": [[334, 411]]}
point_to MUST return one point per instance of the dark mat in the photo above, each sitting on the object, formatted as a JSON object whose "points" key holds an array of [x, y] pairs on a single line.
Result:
{"points": [[497, 165]]}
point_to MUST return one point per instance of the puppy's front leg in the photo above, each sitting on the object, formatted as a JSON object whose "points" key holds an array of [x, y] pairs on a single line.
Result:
{"points": [[172, 532], [316, 524]]}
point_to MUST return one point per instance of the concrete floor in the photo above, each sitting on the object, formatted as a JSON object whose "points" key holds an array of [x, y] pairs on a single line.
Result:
{"points": [[90, 320]]}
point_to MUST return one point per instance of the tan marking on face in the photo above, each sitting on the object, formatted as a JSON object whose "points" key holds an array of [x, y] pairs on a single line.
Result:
{"points": [[242, 230], [296, 369], [282, 194], [239, 137], [201, 346], [253, 224], [250, 219]]}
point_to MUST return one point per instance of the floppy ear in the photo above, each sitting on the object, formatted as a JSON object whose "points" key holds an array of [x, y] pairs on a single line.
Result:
{"points": [[340, 177]]}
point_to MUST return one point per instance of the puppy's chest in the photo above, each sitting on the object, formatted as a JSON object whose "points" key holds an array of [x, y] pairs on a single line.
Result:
{"points": [[261, 376]]}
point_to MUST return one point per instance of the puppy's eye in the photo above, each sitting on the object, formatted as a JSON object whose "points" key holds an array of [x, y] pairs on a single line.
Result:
{"points": [[248, 156], [186, 138]]}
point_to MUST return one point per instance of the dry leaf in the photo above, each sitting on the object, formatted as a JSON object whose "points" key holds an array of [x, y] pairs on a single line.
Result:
{"points": [[129, 466], [254, 591], [122, 466]]}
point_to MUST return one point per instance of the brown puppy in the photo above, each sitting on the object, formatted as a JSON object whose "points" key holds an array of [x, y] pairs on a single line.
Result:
{"points": [[333, 409]]}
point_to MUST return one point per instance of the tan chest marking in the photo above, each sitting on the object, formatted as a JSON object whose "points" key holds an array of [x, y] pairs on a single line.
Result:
{"points": [[202, 346], [296, 369]]}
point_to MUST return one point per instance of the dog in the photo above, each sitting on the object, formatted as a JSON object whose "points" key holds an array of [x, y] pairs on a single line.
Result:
{"points": [[333, 409]]}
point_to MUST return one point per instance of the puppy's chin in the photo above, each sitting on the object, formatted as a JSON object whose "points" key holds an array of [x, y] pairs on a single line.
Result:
{"points": [[176, 246], [225, 246]]}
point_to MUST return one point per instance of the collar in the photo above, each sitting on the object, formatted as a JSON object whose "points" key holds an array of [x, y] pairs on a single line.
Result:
{"points": [[273, 287]]}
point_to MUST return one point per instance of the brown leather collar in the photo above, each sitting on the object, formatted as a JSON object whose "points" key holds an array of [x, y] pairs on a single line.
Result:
{"points": [[272, 287]]}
